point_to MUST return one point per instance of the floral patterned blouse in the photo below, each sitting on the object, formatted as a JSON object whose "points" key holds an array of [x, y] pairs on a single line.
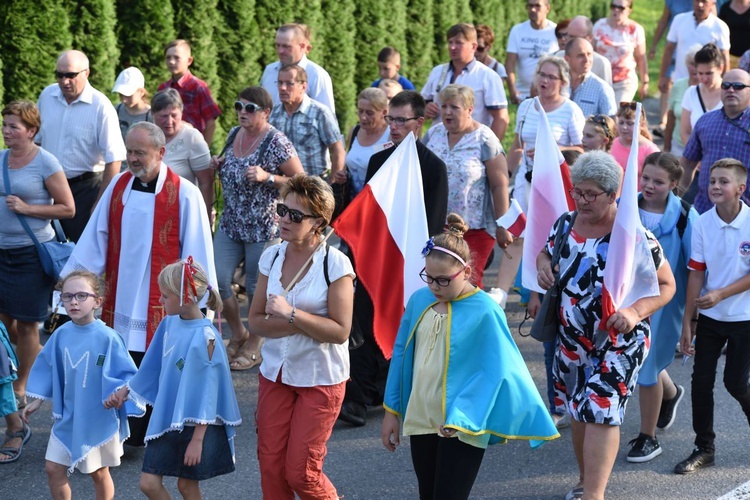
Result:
{"points": [[468, 189], [618, 45], [250, 207]]}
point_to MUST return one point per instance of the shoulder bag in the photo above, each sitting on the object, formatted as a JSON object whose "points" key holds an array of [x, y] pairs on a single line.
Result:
{"points": [[547, 321]]}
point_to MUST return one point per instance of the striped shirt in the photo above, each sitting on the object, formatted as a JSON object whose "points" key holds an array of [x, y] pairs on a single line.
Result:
{"points": [[714, 137], [83, 135]]}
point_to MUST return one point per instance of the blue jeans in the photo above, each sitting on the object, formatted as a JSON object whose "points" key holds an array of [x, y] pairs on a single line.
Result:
{"points": [[228, 254], [549, 357]]}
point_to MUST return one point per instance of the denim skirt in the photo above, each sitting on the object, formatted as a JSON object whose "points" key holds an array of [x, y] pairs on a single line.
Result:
{"points": [[165, 455], [25, 288]]}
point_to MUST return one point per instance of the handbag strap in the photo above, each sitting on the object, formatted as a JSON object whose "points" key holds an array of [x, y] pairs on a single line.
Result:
{"points": [[560, 236]]}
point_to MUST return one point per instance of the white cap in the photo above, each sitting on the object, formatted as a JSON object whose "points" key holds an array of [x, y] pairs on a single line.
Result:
{"points": [[128, 81]]}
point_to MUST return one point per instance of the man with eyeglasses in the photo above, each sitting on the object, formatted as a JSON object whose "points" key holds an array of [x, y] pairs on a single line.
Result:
{"points": [[80, 127], [490, 103], [582, 27], [591, 93], [369, 368], [724, 133], [309, 124], [527, 43], [291, 47]]}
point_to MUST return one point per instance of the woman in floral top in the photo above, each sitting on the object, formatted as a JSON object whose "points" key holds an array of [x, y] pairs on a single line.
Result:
{"points": [[258, 160], [477, 173], [623, 42]]}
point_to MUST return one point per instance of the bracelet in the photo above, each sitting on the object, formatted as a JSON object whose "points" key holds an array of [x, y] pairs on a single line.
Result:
{"points": [[294, 311], [694, 320]]}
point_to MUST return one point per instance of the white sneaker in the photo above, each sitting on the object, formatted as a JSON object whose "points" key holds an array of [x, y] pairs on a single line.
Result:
{"points": [[561, 421], [499, 295]]}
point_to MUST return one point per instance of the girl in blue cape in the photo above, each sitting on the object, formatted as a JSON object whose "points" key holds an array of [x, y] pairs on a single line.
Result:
{"points": [[457, 381], [78, 368], [185, 377]]}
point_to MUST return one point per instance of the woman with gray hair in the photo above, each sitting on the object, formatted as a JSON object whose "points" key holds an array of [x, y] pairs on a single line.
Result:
{"points": [[566, 121], [477, 173], [186, 151], [595, 370]]}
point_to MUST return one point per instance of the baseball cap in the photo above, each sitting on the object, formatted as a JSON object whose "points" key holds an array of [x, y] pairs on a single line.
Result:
{"points": [[128, 81]]}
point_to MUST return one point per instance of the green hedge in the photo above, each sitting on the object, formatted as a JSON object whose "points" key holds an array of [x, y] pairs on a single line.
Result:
{"points": [[234, 39]]}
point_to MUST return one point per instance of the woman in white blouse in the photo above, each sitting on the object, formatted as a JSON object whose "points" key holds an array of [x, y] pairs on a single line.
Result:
{"points": [[706, 96], [369, 136], [186, 151], [305, 356]]}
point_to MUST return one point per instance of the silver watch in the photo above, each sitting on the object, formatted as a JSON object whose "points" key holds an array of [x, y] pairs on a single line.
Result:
{"points": [[271, 179]]}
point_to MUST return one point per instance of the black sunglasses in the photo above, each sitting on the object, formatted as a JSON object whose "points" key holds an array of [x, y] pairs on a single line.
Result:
{"points": [[295, 215], [69, 75], [631, 105], [614, 6], [250, 107], [737, 86]]}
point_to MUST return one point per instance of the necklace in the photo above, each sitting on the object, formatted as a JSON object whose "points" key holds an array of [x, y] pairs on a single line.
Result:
{"points": [[261, 134], [19, 158]]}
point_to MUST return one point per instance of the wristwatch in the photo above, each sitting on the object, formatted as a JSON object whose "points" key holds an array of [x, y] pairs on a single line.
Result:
{"points": [[271, 179]]}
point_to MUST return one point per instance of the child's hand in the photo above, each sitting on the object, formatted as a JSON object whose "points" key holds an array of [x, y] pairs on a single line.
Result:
{"points": [[193, 452], [708, 300], [389, 432], [686, 339], [447, 432], [31, 407], [117, 398]]}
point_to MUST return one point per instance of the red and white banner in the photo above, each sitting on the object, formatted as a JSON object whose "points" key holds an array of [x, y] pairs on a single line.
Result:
{"points": [[514, 219], [630, 273], [548, 199], [386, 228]]}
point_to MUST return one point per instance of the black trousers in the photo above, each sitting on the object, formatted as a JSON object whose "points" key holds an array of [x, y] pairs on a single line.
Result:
{"points": [[446, 468], [138, 426], [711, 335], [84, 195]]}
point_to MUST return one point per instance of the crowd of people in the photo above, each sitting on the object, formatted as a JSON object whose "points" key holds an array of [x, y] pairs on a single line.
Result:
{"points": [[133, 186]]}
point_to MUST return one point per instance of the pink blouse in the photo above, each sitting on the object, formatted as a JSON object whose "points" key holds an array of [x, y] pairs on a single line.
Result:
{"points": [[618, 45]]}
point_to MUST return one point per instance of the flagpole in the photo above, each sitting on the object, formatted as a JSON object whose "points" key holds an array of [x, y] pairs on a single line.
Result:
{"points": [[304, 266]]}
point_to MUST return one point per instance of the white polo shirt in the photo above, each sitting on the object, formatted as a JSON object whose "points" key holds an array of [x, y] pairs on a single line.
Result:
{"points": [[83, 135], [686, 33], [530, 45], [319, 84], [486, 84], [723, 251]]}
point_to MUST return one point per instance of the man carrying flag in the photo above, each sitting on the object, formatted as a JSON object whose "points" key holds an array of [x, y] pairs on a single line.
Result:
{"points": [[405, 199], [614, 275]]}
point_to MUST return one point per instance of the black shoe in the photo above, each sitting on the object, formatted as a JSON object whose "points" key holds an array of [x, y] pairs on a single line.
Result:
{"points": [[644, 448], [658, 132], [697, 460], [668, 409], [353, 413]]}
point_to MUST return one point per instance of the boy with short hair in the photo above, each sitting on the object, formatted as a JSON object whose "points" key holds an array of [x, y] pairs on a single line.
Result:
{"points": [[200, 109], [716, 309], [389, 62]]}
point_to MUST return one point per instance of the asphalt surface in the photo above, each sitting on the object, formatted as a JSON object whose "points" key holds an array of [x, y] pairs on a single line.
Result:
{"points": [[361, 468]]}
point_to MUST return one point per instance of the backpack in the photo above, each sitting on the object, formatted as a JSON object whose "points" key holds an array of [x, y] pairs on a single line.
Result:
{"points": [[683, 220]]}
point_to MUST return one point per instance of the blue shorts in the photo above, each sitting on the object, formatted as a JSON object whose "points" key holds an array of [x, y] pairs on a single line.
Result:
{"points": [[25, 288], [7, 400], [165, 455]]}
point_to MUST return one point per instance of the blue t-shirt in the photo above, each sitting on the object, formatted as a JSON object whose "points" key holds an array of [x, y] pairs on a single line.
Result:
{"points": [[405, 83]]}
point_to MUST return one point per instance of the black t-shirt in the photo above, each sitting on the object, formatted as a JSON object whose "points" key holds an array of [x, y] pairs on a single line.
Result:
{"points": [[739, 29]]}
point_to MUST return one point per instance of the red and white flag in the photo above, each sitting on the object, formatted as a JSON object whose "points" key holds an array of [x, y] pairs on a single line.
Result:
{"points": [[514, 220], [386, 228], [630, 273], [548, 199]]}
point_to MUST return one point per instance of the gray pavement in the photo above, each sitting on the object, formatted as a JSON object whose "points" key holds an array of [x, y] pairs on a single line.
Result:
{"points": [[360, 467]]}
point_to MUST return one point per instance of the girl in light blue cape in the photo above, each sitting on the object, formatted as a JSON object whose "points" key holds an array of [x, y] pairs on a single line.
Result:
{"points": [[78, 368], [457, 381], [185, 377]]}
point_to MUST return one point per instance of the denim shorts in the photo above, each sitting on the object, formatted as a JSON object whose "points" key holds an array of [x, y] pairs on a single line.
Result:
{"points": [[25, 289], [165, 455]]}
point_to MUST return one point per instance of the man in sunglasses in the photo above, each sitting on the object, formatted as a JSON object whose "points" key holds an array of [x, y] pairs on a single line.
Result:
{"points": [[80, 127], [724, 133], [369, 368]]}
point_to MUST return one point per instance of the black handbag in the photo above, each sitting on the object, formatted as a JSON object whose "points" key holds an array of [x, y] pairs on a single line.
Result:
{"points": [[547, 321]]}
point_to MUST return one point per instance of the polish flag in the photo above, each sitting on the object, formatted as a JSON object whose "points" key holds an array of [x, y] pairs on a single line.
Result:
{"points": [[514, 220], [386, 228], [630, 274], [548, 199]]}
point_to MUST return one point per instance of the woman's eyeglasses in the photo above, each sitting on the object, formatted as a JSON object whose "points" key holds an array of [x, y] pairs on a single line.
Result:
{"points": [[441, 282], [545, 76], [250, 107], [295, 215], [577, 194], [79, 296]]}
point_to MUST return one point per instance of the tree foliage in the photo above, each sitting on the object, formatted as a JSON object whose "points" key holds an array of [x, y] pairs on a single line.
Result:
{"points": [[196, 21], [338, 29]]}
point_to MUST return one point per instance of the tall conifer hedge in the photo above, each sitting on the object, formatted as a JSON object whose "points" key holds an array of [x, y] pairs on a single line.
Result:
{"points": [[92, 27]]}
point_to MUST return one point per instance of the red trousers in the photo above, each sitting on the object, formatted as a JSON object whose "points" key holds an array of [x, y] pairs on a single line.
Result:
{"points": [[480, 244], [294, 424]]}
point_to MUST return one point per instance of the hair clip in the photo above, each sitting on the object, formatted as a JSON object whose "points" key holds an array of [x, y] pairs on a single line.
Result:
{"points": [[428, 246]]}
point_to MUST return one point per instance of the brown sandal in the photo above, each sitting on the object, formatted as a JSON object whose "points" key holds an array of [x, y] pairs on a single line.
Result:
{"points": [[245, 359], [233, 346]]}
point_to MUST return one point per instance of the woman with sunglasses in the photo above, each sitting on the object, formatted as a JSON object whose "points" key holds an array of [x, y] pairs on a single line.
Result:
{"points": [[623, 42], [186, 151], [303, 308], [595, 370], [256, 161]]}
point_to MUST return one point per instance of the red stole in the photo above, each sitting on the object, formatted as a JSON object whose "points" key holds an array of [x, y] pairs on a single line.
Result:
{"points": [[165, 246]]}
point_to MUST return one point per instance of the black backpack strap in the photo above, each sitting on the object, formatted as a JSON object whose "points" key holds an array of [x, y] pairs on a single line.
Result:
{"points": [[355, 131], [325, 267], [230, 139], [683, 220]]}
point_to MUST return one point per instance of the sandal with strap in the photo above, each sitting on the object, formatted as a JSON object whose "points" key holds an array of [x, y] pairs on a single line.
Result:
{"points": [[246, 358], [20, 401], [14, 452], [233, 346]]}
